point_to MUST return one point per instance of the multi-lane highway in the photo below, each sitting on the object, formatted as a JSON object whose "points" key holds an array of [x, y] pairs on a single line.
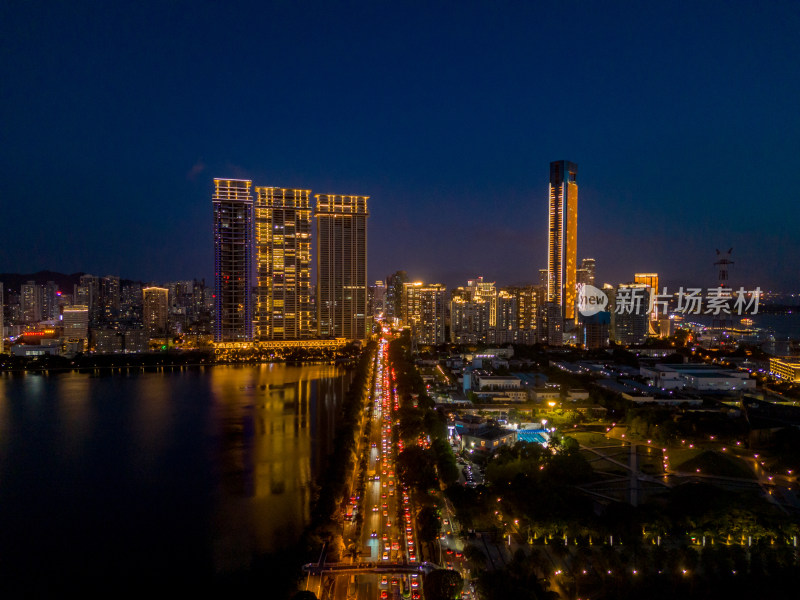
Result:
{"points": [[386, 539]]}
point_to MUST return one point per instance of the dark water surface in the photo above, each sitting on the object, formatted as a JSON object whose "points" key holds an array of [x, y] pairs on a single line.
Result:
{"points": [[190, 476]]}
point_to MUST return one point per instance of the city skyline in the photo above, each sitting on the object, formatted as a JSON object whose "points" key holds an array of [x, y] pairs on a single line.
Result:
{"points": [[673, 116]]}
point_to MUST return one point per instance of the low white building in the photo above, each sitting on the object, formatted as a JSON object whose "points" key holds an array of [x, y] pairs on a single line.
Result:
{"points": [[703, 378]]}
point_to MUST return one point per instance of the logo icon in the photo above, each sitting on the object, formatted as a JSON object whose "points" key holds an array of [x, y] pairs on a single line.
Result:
{"points": [[591, 300]]}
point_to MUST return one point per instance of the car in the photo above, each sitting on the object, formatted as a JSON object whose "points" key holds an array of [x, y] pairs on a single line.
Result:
{"points": [[374, 508], [384, 537], [385, 556], [386, 513], [449, 551], [384, 595], [449, 565], [415, 581], [374, 533], [384, 580]]}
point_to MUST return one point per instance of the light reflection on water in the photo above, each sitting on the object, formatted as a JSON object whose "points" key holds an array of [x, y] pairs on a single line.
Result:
{"points": [[195, 471]]}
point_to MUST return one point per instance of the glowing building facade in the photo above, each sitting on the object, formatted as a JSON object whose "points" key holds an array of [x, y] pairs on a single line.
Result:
{"points": [[283, 264], [562, 249], [155, 311], [425, 308], [341, 294], [233, 260]]}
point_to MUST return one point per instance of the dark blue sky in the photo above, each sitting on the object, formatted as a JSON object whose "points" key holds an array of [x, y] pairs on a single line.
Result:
{"points": [[683, 118]]}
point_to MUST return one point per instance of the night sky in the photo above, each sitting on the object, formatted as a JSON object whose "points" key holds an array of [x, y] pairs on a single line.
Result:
{"points": [[684, 119]]}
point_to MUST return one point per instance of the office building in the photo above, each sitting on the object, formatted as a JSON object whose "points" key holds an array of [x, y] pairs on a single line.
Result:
{"points": [[155, 311], [342, 266], [425, 307], [283, 264], [785, 368], [233, 260], [75, 322], [562, 248]]}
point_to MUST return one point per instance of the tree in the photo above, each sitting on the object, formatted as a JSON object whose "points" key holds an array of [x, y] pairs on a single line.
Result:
{"points": [[428, 524], [443, 584]]}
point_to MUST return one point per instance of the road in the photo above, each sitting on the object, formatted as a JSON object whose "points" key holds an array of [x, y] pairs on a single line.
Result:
{"points": [[388, 533]]}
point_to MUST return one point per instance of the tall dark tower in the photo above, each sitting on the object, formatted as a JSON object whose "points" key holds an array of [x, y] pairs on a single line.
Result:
{"points": [[342, 266], [233, 260], [723, 265]]}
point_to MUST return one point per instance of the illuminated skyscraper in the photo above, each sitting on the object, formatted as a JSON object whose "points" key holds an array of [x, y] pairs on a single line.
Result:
{"points": [[283, 264], [585, 273], [651, 281], [233, 260], [155, 310], [342, 266], [562, 248], [425, 307]]}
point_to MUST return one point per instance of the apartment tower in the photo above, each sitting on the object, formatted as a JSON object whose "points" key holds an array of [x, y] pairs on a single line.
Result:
{"points": [[283, 264], [233, 260], [341, 293]]}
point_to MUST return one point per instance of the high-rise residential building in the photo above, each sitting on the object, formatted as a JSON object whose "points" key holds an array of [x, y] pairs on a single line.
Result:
{"points": [[473, 312], [31, 302], [155, 310], [485, 290], [543, 278], [425, 307], [585, 273], [283, 264], [87, 293], [341, 294], [394, 294], [594, 330], [109, 298], [50, 297], [376, 299], [233, 260], [562, 244], [629, 317]]}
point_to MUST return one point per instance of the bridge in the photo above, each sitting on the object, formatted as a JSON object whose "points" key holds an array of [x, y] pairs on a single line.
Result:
{"points": [[344, 568]]}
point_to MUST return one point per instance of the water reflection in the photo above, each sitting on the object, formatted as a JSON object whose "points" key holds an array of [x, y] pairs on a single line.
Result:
{"points": [[193, 471], [276, 425]]}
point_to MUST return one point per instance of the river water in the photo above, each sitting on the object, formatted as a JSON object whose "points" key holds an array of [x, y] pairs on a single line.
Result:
{"points": [[187, 476]]}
